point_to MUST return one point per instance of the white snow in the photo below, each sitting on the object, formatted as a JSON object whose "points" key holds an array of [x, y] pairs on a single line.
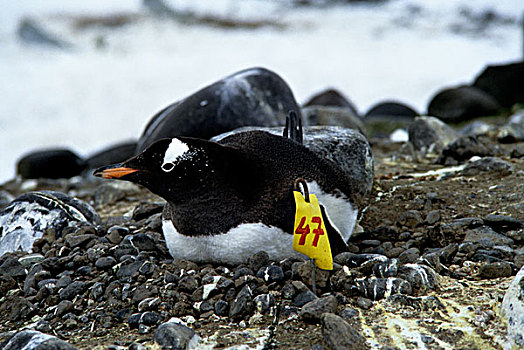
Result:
{"points": [[96, 95]]}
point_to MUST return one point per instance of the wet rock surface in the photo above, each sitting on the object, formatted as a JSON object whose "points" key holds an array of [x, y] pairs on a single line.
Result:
{"points": [[437, 252]]}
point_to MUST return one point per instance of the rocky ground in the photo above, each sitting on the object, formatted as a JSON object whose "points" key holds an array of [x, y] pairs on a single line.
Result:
{"points": [[438, 246]]}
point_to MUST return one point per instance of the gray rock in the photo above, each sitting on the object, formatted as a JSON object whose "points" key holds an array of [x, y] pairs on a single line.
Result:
{"points": [[12, 267], [175, 335], [364, 303], [221, 308], [264, 302], [347, 148], [420, 277], [6, 284], [487, 237], [455, 105], [105, 262], [243, 304], [143, 242], [340, 335], [490, 165], [30, 215], [271, 273], [113, 191], [147, 318], [17, 308], [35, 340], [76, 288], [430, 134], [257, 260], [303, 298], [513, 131], [312, 311], [465, 147], [142, 292], [513, 311], [188, 284], [503, 82], [410, 218], [63, 307], [144, 211], [495, 270], [409, 256], [333, 116], [349, 313], [74, 240], [305, 271], [378, 288], [503, 223], [129, 270], [475, 128]]}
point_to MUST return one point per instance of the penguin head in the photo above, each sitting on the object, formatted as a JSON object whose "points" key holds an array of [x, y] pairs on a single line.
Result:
{"points": [[171, 168]]}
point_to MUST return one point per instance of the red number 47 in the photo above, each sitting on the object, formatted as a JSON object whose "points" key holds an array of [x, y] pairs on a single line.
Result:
{"points": [[303, 231]]}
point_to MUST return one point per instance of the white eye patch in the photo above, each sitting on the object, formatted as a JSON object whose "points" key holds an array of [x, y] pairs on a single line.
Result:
{"points": [[174, 153]]}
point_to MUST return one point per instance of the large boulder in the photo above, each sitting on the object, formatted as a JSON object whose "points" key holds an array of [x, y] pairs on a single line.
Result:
{"points": [[503, 82], [51, 164], [334, 116], [252, 97], [331, 98], [29, 216], [391, 110], [455, 105]]}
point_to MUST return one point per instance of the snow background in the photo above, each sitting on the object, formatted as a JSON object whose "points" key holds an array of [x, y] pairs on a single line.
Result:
{"points": [[89, 97]]}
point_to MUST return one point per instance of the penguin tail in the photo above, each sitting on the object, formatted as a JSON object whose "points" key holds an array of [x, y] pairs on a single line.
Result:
{"points": [[293, 128]]}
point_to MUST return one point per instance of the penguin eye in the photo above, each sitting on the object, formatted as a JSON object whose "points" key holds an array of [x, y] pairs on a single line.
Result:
{"points": [[167, 167]]}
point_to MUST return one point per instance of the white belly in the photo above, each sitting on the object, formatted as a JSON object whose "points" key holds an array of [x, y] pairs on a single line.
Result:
{"points": [[233, 247]]}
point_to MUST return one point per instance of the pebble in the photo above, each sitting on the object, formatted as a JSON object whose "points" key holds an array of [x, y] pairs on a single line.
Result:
{"points": [[175, 335], [410, 219], [242, 305], [409, 256], [495, 270], [271, 273], [487, 237], [256, 261], [364, 303], [339, 334], [491, 165], [430, 133], [312, 311], [74, 289], [303, 298]]}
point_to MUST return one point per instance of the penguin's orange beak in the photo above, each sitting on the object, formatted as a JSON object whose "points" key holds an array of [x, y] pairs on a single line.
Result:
{"points": [[114, 171]]}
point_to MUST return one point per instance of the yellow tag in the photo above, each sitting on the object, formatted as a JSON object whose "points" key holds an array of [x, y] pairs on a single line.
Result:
{"points": [[310, 235]]}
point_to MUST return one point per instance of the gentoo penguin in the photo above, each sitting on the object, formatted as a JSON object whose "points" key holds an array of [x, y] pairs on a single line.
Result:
{"points": [[227, 200]]}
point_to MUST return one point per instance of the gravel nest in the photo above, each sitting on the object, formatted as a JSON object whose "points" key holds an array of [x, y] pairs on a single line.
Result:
{"points": [[428, 267]]}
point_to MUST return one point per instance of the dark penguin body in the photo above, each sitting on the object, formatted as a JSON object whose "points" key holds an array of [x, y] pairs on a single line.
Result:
{"points": [[228, 200]]}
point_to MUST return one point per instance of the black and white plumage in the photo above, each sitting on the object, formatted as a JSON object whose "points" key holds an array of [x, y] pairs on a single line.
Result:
{"points": [[227, 200]]}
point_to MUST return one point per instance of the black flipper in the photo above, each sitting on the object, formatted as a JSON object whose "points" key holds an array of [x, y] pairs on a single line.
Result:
{"points": [[293, 128], [336, 242]]}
